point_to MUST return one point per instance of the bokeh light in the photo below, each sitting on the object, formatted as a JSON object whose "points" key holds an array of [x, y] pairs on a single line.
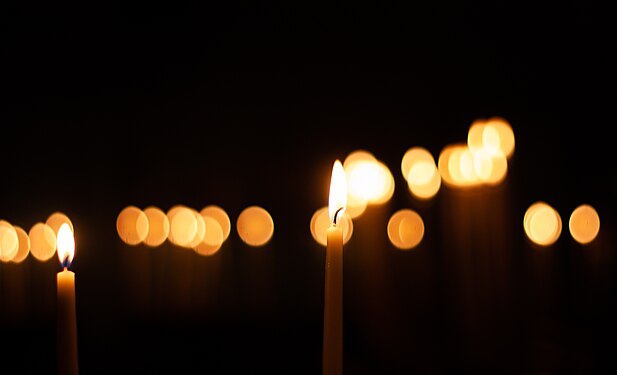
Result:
{"points": [[415, 155], [423, 177], [158, 226], [42, 241], [24, 245], [320, 222], [371, 181], [9, 241], [255, 226], [183, 226], [132, 225], [498, 137], [213, 239], [220, 215], [56, 219], [405, 229], [200, 231], [584, 224], [542, 224], [461, 166], [494, 136]]}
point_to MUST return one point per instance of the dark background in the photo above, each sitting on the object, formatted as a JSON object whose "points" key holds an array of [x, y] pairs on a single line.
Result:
{"points": [[108, 105]]}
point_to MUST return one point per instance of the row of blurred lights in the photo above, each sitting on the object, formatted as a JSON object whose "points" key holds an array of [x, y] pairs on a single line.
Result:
{"points": [[481, 160], [207, 230], [204, 231], [40, 241]]}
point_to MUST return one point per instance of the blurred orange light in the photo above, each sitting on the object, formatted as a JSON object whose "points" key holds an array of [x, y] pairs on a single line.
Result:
{"points": [[132, 225], [584, 224], [255, 226], [542, 224], [42, 241]]}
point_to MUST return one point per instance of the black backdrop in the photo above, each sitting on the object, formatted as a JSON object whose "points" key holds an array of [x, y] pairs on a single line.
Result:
{"points": [[249, 104]]}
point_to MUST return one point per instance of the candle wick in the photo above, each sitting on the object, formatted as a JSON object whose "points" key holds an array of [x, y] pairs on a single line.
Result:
{"points": [[65, 263], [336, 214]]}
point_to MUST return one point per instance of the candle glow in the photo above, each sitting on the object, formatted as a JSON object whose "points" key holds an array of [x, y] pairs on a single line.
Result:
{"points": [[66, 245], [337, 202]]}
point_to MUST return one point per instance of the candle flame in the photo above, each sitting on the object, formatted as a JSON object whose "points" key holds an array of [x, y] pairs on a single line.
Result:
{"points": [[66, 245], [338, 192]]}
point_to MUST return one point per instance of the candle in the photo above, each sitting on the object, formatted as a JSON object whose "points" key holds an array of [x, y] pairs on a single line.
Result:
{"points": [[333, 296], [67, 323]]}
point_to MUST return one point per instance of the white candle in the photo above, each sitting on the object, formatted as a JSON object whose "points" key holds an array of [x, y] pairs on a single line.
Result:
{"points": [[333, 294], [67, 322]]}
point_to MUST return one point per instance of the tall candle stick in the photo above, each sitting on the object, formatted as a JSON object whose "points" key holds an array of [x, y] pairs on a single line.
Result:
{"points": [[67, 322], [333, 294]]}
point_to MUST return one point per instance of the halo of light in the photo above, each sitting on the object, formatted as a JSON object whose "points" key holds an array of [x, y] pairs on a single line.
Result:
{"points": [[584, 224], [24, 245], [213, 239], [428, 190], [421, 173], [443, 161], [405, 229], [456, 166], [474, 135], [158, 226], [498, 137], [499, 170], [415, 155], [255, 226], [358, 156], [182, 225], [466, 167], [56, 219], [132, 225], [42, 241], [218, 214], [542, 224], [200, 232], [369, 180], [388, 188], [482, 164], [9, 241], [320, 222]]}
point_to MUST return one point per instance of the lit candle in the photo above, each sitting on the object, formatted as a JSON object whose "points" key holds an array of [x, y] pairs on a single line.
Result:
{"points": [[333, 296], [67, 323]]}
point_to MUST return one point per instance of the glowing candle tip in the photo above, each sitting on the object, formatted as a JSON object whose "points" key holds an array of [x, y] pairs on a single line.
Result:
{"points": [[338, 192]]}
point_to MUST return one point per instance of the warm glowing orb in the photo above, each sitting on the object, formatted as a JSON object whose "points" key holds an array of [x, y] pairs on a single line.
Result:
{"points": [[158, 226], [405, 229], [213, 239], [24, 245], [132, 225], [415, 155], [584, 224], [498, 137], [183, 226], [56, 219], [542, 224], [218, 213], [9, 241], [42, 241], [370, 180], [255, 226]]}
